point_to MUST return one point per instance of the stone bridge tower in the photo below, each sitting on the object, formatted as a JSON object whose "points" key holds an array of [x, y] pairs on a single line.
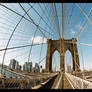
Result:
{"points": [[62, 46]]}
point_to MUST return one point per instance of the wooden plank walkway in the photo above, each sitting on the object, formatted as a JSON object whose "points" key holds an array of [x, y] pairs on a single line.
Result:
{"points": [[64, 83]]}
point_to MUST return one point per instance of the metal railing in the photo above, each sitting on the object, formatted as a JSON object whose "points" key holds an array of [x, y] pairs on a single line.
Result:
{"points": [[79, 82], [12, 79]]}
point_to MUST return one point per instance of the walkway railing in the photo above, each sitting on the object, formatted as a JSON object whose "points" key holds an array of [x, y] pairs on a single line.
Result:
{"points": [[9, 73], [15, 80], [80, 83]]}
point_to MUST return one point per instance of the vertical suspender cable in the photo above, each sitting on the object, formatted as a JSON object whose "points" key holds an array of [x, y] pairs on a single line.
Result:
{"points": [[58, 32], [62, 21]]}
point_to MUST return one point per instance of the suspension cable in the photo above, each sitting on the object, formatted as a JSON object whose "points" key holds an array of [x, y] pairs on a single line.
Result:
{"points": [[20, 47], [77, 36], [41, 48], [39, 16], [58, 31], [11, 37], [33, 38], [71, 13], [32, 20], [23, 17], [84, 13], [42, 59], [62, 21], [79, 14]]}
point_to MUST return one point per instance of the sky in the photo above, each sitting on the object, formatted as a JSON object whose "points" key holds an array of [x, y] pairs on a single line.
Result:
{"points": [[72, 15], [44, 16]]}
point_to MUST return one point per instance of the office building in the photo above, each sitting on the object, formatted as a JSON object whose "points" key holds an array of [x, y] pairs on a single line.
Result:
{"points": [[27, 66], [37, 68], [14, 64]]}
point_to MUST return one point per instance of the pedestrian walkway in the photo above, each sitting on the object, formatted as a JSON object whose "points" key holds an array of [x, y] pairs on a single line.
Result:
{"points": [[64, 82]]}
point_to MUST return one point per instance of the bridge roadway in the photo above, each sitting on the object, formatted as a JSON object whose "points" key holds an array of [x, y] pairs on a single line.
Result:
{"points": [[30, 81], [63, 82], [59, 82], [51, 80]]}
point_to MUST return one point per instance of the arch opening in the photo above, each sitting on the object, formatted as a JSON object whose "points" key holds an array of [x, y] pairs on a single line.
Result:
{"points": [[56, 61], [68, 62]]}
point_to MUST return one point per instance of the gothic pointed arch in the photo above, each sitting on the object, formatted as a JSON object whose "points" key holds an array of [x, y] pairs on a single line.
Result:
{"points": [[62, 46]]}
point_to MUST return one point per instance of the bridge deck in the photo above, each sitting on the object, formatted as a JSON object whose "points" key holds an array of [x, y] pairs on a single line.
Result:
{"points": [[63, 82], [26, 82]]}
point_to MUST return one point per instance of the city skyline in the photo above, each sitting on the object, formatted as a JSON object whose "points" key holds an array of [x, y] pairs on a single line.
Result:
{"points": [[46, 45], [25, 35]]}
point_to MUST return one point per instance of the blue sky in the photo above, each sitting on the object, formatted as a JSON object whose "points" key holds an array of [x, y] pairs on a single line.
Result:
{"points": [[25, 31]]}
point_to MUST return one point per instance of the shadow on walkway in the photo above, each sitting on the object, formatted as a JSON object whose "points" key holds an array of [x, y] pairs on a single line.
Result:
{"points": [[49, 84]]}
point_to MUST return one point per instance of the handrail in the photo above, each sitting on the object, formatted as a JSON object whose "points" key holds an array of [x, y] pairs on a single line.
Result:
{"points": [[79, 82]]}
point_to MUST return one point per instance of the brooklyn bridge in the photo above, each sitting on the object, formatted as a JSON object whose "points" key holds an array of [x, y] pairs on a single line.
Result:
{"points": [[45, 46]]}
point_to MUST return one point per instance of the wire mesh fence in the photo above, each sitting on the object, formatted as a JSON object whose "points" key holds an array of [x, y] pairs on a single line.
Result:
{"points": [[79, 82], [24, 32]]}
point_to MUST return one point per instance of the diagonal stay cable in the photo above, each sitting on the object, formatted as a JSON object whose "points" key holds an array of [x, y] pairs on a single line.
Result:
{"points": [[43, 37], [79, 14], [20, 46], [21, 54], [41, 48], [42, 59], [35, 30], [44, 10], [84, 13], [71, 13], [49, 18], [77, 36], [39, 15], [33, 39], [11, 37], [34, 35], [23, 17], [32, 43], [10, 29], [31, 46], [47, 10], [13, 51], [32, 21]]}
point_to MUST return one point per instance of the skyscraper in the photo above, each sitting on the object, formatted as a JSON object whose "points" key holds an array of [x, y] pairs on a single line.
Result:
{"points": [[17, 65], [37, 68], [27, 66], [14, 64]]}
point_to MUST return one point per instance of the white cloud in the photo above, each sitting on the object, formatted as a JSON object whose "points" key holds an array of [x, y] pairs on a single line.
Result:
{"points": [[38, 40], [72, 32]]}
